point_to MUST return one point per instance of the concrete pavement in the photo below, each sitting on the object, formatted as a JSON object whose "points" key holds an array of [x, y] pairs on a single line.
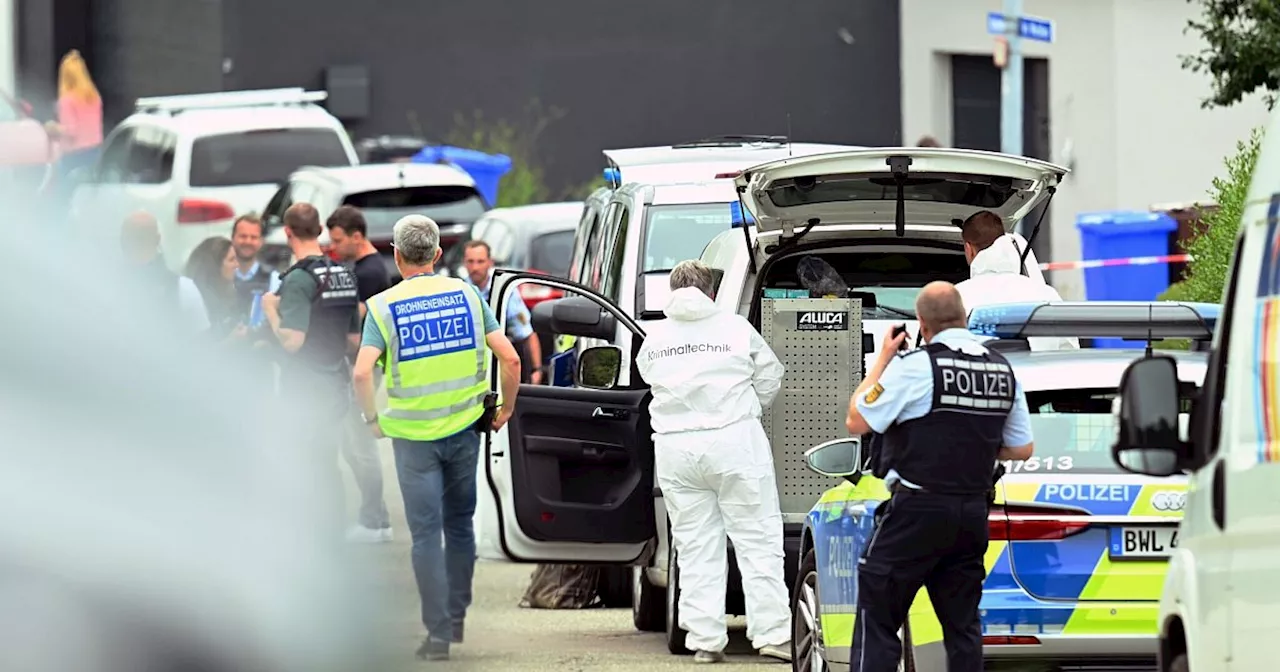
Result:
{"points": [[502, 636]]}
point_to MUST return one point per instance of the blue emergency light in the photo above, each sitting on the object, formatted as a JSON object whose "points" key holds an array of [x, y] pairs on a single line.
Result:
{"points": [[737, 212], [613, 176], [1136, 320]]}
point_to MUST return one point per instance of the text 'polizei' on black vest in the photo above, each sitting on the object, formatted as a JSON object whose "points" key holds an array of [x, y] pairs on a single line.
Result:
{"points": [[333, 307], [952, 448]]}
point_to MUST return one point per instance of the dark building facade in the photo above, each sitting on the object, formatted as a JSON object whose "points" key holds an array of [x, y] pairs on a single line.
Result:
{"points": [[602, 75]]}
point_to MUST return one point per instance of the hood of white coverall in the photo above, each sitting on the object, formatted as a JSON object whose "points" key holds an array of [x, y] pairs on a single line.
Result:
{"points": [[994, 278], [705, 367]]}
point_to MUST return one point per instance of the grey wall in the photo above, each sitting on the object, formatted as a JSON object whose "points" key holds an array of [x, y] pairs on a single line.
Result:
{"points": [[625, 75]]}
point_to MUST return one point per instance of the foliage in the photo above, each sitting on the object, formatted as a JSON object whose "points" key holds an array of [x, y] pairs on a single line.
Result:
{"points": [[1242, 52], [526, 182], [1212, 248]]}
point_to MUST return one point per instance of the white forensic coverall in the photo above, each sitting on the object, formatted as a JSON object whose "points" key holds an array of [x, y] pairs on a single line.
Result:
{"points": [[711, 375], [995, 278]]}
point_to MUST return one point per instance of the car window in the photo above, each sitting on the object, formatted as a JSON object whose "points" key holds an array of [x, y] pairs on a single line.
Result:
{"points": [[1074, 430], [616, 253], [263, 157], [675, 233], [581, 241], [550, 252], [150, 157], [595, 252], [499, 236], [113, 166], [273, 214], [449, 204]]}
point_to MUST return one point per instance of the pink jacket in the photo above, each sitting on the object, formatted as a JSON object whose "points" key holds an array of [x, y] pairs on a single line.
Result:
{"points": [[82, 122]]}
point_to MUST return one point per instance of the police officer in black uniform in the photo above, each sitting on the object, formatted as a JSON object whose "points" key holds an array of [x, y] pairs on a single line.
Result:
{"points": [[943, 415], [316, 322]]}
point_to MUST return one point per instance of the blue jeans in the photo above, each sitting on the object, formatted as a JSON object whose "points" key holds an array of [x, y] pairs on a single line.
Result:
{"points": [[438, 483]]}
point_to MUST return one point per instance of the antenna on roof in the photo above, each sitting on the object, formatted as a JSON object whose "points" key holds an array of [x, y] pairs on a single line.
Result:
{"points": [[788, 135]]}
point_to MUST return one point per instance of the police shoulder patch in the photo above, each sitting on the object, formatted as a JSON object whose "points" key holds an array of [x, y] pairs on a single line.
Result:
{"points": [[874, 393], [523, 317]]}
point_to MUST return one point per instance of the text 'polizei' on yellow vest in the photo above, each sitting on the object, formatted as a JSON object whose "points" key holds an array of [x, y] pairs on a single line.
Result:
{"points": [[436, 361]]}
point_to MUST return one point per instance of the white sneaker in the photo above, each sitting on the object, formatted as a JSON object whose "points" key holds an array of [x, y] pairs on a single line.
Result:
{"points": [[780, 651], [708, 657], [359, 534]]}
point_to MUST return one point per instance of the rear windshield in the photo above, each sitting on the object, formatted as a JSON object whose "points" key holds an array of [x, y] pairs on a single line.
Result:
{"points": [[679, 232], [551, 252], [1074, 430], [263, 157], [444, 204], [980, 191]]}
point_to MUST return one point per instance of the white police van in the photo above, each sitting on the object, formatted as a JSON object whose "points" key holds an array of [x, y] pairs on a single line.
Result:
{"points": [[570, 479], [1221, 604]]}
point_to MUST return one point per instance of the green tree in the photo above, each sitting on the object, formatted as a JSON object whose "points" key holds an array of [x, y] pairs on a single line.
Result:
{"points": [[1214, 243], [526, 182], [1242, 49]]}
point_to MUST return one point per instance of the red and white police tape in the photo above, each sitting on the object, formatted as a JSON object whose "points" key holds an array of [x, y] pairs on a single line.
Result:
{"points": [[1100, 263]]}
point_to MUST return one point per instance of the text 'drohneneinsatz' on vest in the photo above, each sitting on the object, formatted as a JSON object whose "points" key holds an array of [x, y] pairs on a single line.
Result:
{"points": [[971, 385], [439, 324]]}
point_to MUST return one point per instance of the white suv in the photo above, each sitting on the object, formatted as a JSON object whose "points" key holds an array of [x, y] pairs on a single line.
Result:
{"points": [[570, 477], [384, 192], [198, 161]]}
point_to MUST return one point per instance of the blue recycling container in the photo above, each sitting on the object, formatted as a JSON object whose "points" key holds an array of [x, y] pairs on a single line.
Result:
{"points": [[1122, 235], [486, 169]]}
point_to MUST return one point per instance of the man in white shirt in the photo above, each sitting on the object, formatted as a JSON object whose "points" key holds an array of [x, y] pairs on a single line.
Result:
{"points": [[996, 273], [140, 243]]}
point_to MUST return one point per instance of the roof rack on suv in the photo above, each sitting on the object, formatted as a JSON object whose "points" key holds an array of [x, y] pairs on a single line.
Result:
{"points": [[733, 141], [253, 98]]}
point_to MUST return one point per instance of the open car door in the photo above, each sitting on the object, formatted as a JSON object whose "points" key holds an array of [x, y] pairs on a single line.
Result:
{"points": [[571, 473]]}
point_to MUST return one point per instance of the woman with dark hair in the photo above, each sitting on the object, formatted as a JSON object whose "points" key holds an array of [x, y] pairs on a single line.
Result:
{"points": [[212, 268]]}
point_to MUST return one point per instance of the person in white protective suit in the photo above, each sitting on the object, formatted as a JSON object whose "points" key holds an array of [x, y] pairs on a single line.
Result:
{"points": [[711, 376], [995, 273]]}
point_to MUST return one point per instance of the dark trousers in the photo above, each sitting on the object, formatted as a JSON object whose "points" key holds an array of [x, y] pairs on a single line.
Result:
{"points": [[922, 539]]}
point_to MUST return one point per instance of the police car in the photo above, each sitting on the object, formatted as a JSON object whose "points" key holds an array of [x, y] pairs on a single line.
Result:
{"points": [[1078, 547]]}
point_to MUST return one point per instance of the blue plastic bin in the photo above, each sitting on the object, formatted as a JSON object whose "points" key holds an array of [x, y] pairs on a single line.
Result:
{"points": [[1121, 235], [486, 169]]}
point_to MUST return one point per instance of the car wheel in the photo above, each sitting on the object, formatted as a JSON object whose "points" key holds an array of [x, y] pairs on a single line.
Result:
{"points": [[614, 586], [808, 648], [1180, 664], [675, 636], [648, 610]]}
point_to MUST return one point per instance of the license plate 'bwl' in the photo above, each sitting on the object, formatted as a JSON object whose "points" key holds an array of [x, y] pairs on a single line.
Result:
{"points": [[1143, 542]]}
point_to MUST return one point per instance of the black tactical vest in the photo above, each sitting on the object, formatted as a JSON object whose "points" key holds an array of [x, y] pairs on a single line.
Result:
{"points": [[260, 281], [952, 449], [332, 308]]}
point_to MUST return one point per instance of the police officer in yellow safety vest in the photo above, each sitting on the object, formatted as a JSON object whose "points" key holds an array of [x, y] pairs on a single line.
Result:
{"points": [[426, 333]]}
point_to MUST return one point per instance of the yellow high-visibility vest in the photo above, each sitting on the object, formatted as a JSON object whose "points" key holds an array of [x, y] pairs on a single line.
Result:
{"points": [[436, 361]]}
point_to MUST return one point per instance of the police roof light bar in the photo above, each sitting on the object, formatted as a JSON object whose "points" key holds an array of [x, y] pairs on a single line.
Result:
{"points": [[1135, 320], [261, 97]]}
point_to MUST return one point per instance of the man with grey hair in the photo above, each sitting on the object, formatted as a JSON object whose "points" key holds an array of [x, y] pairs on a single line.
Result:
{"points": [[432, 336], [711, 376], [942, 415]]}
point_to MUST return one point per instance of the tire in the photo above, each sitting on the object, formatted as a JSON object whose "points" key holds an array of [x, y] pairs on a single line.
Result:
{"points": [[808, 650], [675, 636], [807, 641], [614, 586], [1180, 664], [648, 605]]}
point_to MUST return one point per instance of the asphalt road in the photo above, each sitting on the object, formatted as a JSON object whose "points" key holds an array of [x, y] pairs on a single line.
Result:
{"points": [[502, 636]]}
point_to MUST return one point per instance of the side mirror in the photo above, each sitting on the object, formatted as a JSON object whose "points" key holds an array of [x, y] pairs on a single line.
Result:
{"points": [[1147, 419], [574, 316], [841, 458], [599, 367]]}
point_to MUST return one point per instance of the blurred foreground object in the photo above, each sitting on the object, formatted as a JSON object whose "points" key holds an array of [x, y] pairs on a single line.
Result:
{"points": [[158, 517]]}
